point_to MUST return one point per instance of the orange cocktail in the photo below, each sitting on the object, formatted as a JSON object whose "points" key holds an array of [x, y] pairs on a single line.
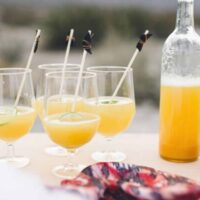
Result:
{"points": [[71, 130], [15, 123], [56, 104], [116, 115]]}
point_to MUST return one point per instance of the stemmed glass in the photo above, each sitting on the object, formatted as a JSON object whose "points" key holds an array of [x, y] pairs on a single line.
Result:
{"points": [[116, 112], [15, 120], [70, 128], [42, 70]]}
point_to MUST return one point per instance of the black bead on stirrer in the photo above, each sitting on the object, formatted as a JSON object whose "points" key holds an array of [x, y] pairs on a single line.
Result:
{"points": [[38, 31], [87, 48], [143, 38], [87, 42], [33, 51], [70, 39]]}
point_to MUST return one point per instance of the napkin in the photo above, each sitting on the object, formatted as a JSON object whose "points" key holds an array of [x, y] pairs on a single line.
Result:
{"points": [[119, 181]]}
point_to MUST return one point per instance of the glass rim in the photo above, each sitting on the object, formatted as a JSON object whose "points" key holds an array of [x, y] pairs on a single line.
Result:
{"points": [[97, 117], [119, 69], [55, 65], [14, 71], [85, 75]]}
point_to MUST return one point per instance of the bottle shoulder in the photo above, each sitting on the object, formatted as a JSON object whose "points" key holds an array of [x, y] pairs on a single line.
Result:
{"points": [[178, 41], [181, 53]]}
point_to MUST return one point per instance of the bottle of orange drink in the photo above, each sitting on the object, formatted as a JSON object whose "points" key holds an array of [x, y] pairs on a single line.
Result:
{"points": [[180, 90]]}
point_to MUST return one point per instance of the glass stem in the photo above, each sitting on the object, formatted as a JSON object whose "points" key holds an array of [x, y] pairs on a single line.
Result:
{"points": [[70, 159], [10, 151], [109, 145]]}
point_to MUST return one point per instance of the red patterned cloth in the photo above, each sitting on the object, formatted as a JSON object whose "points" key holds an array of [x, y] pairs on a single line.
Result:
{"points": [[118, 181]]}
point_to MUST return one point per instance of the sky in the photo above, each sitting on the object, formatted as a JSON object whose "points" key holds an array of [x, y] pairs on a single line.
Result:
{"points": [[150, 4]]}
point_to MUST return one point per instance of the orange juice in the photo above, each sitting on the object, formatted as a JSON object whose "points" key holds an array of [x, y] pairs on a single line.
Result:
{"points": [[71, 130], [57, 104], [15, 124], [180, 122], [116, 114]]}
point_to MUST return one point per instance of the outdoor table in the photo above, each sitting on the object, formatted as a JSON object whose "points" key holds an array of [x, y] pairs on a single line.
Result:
{"points": [[141, 149]]}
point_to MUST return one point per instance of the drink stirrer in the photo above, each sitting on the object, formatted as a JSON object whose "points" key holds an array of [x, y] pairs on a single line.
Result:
{"points": [[143, 38], [69, 39], [87, 48], [33, 51]]}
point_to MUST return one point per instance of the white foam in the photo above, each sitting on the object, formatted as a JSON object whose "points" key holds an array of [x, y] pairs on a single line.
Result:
{"points": [[41, 98], [21, 110], [63, 98], [54, 120], [179, 81], [120, 101]]}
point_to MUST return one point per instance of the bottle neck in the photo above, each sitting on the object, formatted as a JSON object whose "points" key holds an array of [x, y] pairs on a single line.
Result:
{"points": [[185, 15]]}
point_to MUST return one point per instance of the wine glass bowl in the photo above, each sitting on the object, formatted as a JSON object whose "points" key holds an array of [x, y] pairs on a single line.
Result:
{"points": [[15, 119], [42, 70], [116, 111], [68, 128]]}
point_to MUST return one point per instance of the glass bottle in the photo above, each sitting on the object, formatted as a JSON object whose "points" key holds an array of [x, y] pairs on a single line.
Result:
{"points": [[180, 89]]}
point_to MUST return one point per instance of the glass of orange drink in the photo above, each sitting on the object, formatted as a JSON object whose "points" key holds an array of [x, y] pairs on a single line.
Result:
{"points": [[71, 127], [116, 112], [15, 119], [57, 104]]}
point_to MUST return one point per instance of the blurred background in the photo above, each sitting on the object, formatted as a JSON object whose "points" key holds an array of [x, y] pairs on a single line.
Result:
{"points": [[117, 25]]}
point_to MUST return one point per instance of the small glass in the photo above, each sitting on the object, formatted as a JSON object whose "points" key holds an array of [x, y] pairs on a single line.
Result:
{"points": [[42, 70], [71, 127], [15, 120], [116, 112]]}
